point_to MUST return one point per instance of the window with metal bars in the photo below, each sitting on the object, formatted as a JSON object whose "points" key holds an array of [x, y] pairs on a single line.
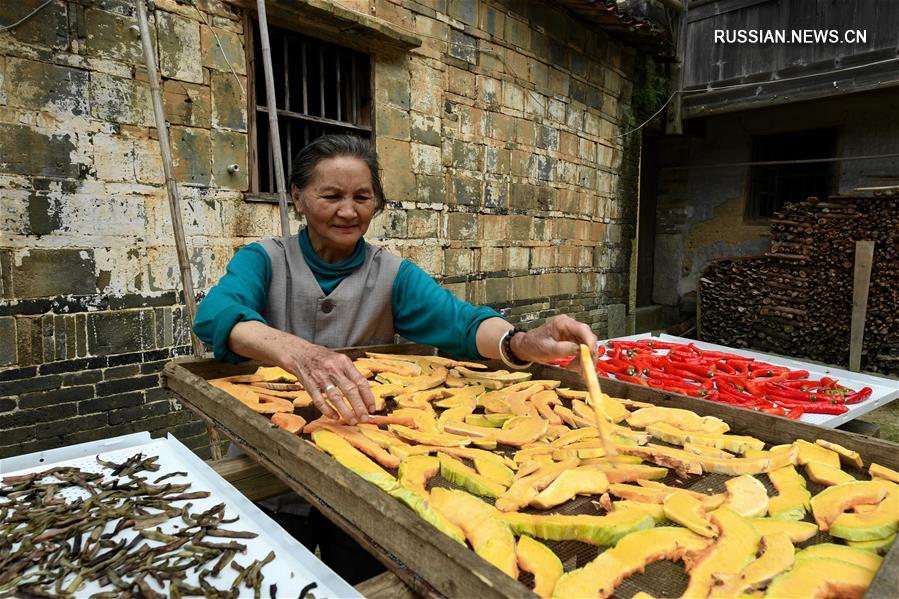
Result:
{"points": [[320, 88], [787, 178]]}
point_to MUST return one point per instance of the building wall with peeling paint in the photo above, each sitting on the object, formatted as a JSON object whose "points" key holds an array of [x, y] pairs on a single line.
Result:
{"points": [[497, 137], [701, 211]]}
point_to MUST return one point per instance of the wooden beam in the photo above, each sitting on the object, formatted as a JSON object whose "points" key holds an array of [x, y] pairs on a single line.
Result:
{"points": [[385, 586], [864, 259], [249, 477]]}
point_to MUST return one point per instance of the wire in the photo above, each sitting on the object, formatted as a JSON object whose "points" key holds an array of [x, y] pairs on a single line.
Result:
{"points": [[25, 18], [218, 42], [647, 121], [779, 162]]}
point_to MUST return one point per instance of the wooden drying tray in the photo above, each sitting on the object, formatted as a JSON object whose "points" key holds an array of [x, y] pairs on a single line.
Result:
{"points": [[430, 563]]}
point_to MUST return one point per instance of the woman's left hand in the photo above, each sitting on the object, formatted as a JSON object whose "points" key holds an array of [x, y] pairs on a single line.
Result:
{"points": [[559, 337]]}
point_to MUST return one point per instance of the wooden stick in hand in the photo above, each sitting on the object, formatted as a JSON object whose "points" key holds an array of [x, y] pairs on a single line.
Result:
{"points": [[602, 424]]}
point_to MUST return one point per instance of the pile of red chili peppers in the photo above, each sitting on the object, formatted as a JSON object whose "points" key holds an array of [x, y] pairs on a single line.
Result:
{"points": [[724, 377]]}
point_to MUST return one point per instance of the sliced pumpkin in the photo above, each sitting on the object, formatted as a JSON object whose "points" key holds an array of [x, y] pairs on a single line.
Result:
{"points": [[746, 496], [682, 419], [488, 420], [850, 456], [685, 463], [830, 503], [490, 537], [777, 555], [626, 473], [825, 474], [570, 483], [772, 460], [798, 532], [880, 546], [494, 470], [425, 438], [735, 443], [539, 560], [525, 489], [707, 450], [812, 452], [822, 577], [459, 474], [736, 546], [690, 513], [878, 471], [415, 471], [632, 554], [292, 423], [364, 444], [596, 530], [792, 500], [352, 458], [521, 431], [865, 559], [503, 376]]}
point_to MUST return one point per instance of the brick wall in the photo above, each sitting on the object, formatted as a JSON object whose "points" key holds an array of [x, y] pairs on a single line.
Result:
{"points": [[503, 171]]}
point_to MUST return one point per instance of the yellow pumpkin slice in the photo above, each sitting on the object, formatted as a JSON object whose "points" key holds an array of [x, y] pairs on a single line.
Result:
{"points": [[746, 496], [525, 489], [690, 513], [878, 471], [811, 452], [792, 500], [459, 474], [830, 503], [821, 577], [825, 474], [852, 457], [682, 419], [494, 470], [489, 536], [777, 555], [798, 532], [539, 560], [735, 443], [596, 530], [865, 559], [577, 481], [736, 546], [632, 554], [415, 471]]}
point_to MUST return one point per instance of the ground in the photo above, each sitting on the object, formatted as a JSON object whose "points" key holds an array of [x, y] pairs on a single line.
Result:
{"points": [[888, 419]]}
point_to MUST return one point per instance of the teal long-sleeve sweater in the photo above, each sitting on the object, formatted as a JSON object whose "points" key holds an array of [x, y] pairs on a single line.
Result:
{"points": [[423, 311]]}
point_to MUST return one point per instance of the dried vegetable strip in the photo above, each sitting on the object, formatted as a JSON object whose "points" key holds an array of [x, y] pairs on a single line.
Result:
{"points": [[53, 547]]}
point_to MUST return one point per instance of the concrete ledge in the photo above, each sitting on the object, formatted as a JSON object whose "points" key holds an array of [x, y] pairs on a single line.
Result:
{"points": [[336, 23]]}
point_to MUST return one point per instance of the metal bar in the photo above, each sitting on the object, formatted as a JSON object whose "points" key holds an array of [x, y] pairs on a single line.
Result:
{"points": [[286, 74], [321, 79], [338, 94], [168, 168], [315, 119], [274, 137], [305, 77], [354, 91], [289, 145]]}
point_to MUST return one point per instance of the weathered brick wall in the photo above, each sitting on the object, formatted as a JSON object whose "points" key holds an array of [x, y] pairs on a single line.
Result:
{"points": [[503, 172]]}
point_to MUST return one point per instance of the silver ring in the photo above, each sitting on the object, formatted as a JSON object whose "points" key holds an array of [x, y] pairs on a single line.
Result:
{"points": [[329, 387]]}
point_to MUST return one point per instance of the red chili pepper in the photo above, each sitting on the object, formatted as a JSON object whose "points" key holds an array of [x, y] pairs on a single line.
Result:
{"points": [[631, 379], [776, 410], [795, 413], [698, 369], [861, 395], [817, 408]]}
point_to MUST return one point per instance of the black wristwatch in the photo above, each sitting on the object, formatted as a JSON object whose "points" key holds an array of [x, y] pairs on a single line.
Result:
{"points": [[505, 350]]}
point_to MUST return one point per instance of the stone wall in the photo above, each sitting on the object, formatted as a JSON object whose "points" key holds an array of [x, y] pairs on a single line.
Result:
{"points": [[701, 211], [504, 176]]}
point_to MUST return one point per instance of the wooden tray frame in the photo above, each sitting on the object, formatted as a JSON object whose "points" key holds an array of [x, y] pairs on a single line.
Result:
{"points": [[430, 563]]}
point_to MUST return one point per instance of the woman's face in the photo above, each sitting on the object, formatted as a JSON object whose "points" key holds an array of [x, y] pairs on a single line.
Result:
{"points": [[338, 203]]}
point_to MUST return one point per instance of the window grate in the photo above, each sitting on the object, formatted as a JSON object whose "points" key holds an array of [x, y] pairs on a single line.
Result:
{"points": [[773, 185], [320, 88]]}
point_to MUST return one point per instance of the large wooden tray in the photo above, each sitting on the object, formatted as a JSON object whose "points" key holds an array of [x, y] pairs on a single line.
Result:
{"points": [[431, 563]]}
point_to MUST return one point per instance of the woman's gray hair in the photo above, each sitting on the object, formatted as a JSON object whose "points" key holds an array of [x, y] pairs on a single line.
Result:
{"points": [[335, 146]]}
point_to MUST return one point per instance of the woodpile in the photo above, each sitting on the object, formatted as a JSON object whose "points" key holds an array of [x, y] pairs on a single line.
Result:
{"points": [[796, 300]]}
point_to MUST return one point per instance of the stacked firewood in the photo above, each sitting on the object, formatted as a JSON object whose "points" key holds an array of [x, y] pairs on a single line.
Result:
{"points": [[797, 299]]}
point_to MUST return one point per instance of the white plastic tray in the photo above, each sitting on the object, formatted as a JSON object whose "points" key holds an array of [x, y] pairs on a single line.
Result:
{"points": [[884, 389], [293, 567]]}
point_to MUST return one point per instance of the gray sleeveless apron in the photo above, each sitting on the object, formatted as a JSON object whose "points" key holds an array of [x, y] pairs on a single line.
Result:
{"points": [[357, 312]]}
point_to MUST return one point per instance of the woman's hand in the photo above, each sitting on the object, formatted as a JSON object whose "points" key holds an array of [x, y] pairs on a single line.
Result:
{"points": [[327, 376], [330, 377], [559, 337]]}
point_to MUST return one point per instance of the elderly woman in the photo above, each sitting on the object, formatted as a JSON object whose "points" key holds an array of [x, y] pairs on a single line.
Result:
{"points": [[285, 301]]}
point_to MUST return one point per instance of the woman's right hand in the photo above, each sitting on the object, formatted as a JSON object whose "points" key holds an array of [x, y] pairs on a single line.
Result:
{"points": [[327, 376]]}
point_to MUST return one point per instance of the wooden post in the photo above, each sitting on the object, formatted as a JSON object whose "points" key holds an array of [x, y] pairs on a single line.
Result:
{"points": [[187, 284], [274, 135], [674, 124], [864, 259]]}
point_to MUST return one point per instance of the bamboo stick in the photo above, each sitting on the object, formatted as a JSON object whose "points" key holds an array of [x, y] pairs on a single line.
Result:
{"points": [[187, 284], [274, 134]]}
